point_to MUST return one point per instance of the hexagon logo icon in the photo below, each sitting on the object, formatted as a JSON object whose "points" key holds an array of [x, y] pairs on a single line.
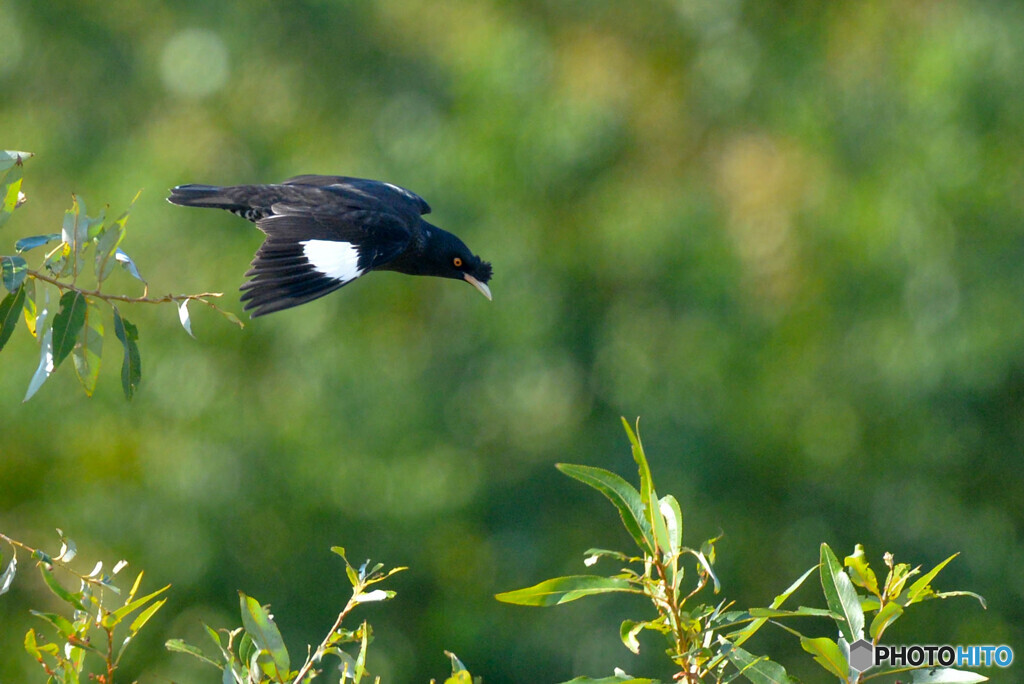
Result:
{"points": [[862, 655]]}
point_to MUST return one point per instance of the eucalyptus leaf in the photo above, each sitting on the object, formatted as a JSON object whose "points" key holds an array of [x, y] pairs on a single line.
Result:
{"points": [[14, 271], [25, 244], [10, 313], [45, 366], [67, 324], [131, 367], [88, 349], [128, 265]]}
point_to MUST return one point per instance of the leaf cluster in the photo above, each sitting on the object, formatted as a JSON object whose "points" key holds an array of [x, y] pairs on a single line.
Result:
{"points": [[95, 625], [705, 641], [60, 299]]}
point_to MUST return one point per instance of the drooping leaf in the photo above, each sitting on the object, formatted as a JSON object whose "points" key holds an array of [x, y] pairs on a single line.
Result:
{"points": [[131, 367], [88, 349], [622, 495], [45, 366], [14, 271], [75, 599], [8, 574], [564, 589], [951, 594], [67, 324], [946, 675], [128, 265], [264, 633], [59, 622], [25, 244], [183, 316], [628, 631], [841, 596], [10, 313], [29, 306]]}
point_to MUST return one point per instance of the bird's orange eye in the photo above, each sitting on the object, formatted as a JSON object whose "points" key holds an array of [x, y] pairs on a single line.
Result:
{"points": [[457, 262]]}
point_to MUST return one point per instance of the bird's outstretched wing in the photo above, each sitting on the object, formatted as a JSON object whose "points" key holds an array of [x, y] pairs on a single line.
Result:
{"points": [[311, 251], [392, 196]]}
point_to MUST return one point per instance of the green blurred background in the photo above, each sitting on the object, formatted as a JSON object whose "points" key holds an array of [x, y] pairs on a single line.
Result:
{"points": [[789, 236]]}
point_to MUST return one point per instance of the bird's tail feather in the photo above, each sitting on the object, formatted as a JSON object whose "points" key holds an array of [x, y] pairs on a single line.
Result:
{"points": [[195, 195]]}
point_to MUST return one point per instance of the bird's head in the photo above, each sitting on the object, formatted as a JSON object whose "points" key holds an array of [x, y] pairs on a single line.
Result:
{"points": [[451, 258]]}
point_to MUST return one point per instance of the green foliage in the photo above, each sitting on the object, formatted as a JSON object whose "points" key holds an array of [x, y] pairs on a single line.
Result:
{"points": [[255, 652], [704, 641], [87, 640], [76, 329]]}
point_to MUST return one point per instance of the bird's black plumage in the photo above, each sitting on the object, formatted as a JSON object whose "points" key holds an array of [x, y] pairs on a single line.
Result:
{"points": [[323, 232]]}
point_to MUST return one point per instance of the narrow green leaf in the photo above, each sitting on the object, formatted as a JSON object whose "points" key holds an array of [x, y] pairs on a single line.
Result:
{"points": [[748, 632], [59, 622], [30, 305], [67, 324], [361, 656], [759, 670], [951, 594], [648, 497], [131, 367], [25, 244], [885, 617], [32, 646], [802, 611], [10, 312], [921, 589], [264, 633], [143, 617], [88, 349], [564, 589], [58, 590], [827, 654], [841, 596], [945, 675], [625, 679], [622, 495], [179, 646], [15, 268], [673, 515]]}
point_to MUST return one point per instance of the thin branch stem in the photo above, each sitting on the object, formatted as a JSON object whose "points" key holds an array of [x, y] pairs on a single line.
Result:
{"points": [[39, 556], [319, 653], [144, 299]]}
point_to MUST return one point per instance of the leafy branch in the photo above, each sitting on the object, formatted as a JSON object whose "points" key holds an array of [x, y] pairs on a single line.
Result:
{"points": [[77, 328]]}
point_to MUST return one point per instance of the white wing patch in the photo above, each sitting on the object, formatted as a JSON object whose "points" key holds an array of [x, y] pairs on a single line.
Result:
{"points": [[335, 259]]}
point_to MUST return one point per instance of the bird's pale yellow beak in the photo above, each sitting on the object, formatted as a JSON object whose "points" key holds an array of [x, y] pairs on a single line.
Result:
{"points": [[484, 290]]}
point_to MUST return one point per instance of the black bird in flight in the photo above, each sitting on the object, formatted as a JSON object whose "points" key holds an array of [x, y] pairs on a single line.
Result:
{"points": [[323, 232]]}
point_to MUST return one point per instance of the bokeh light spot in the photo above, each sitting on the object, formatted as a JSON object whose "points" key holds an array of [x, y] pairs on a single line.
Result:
{"points": [[194, 63]]}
